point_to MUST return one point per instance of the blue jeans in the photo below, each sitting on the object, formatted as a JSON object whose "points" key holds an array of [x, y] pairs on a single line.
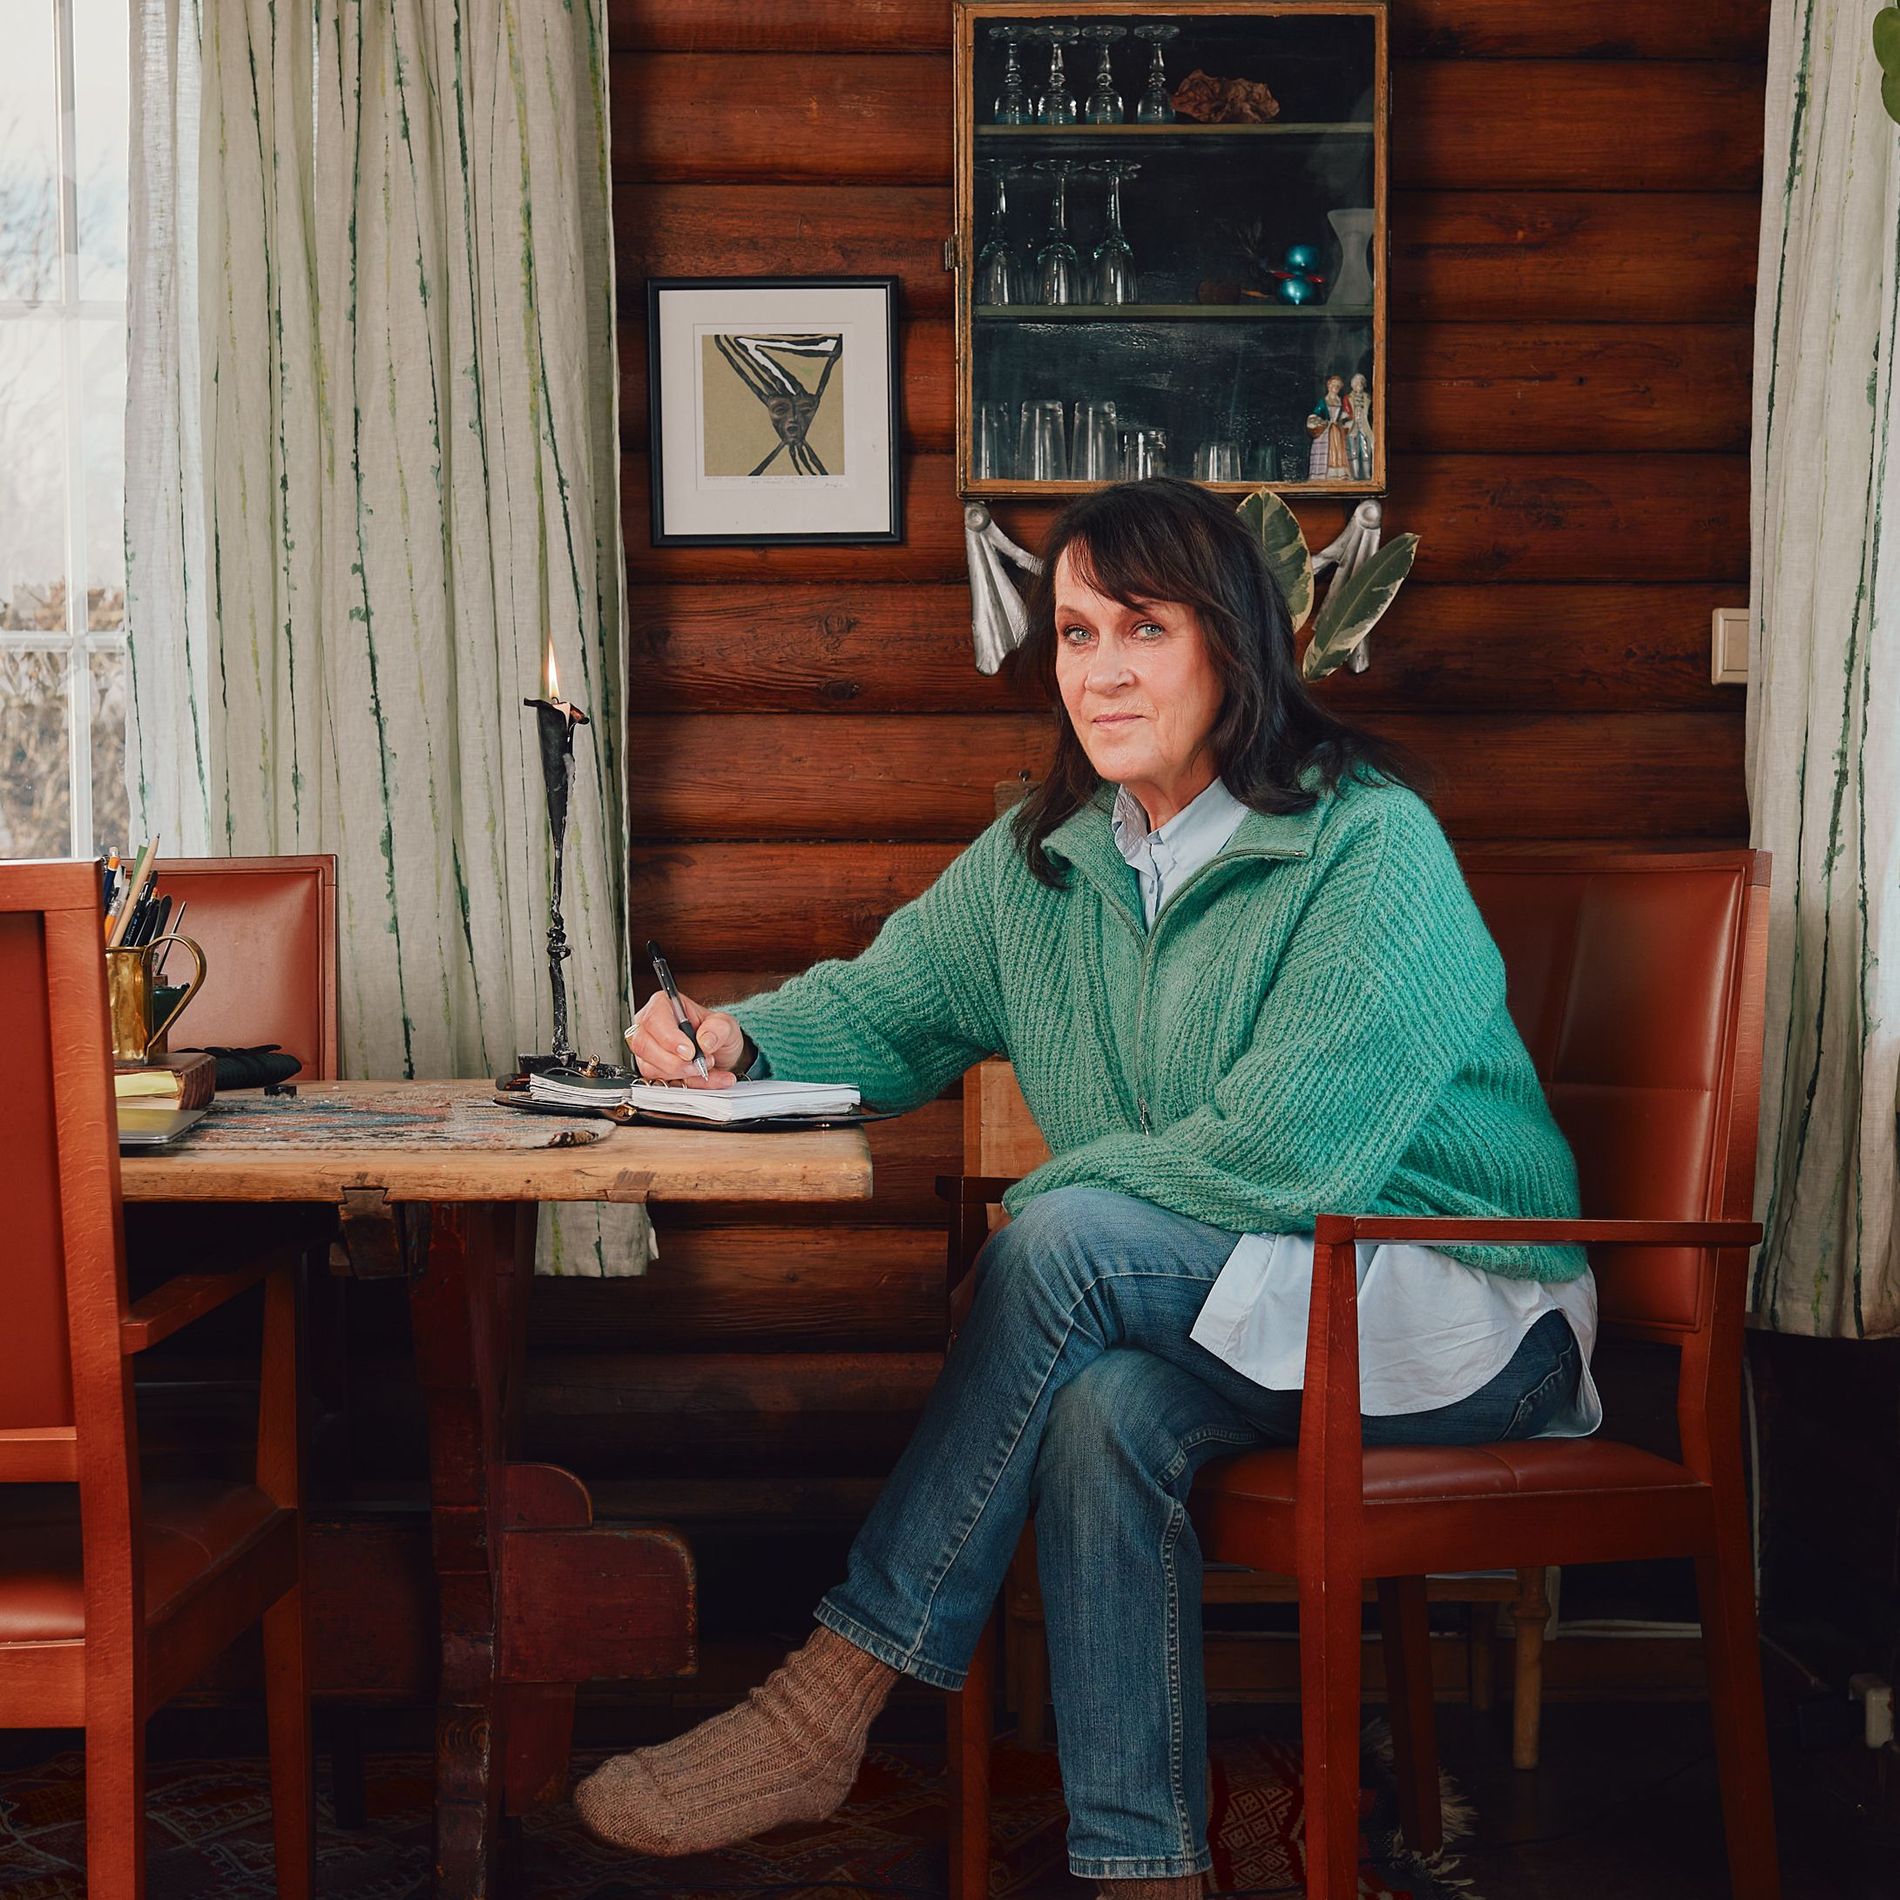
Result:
{"points": [[1074, 1391]]}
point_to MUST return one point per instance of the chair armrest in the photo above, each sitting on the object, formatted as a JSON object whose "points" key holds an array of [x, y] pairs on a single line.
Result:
{"points": [[982, 1190], [190, 1296], [1595, 1233]]}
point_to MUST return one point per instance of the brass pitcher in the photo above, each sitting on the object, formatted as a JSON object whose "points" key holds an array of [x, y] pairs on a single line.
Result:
{"points": [[129, 986]]}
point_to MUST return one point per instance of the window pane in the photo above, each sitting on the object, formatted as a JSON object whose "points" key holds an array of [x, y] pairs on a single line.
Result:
{"points": [[102, 115], [111, 821], [102, 394], [29, 154], [35, 801], [32, 477]]}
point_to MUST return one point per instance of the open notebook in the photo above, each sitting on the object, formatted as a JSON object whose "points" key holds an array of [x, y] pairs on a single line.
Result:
{"points": [[743, 1102]]}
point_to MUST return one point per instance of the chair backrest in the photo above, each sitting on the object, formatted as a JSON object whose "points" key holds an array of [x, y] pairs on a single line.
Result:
{"points": [[267, 927], [64, 1280], [1636, 983]]}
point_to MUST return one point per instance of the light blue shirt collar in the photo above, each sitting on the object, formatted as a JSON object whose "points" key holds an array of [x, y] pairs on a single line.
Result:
{"points": [[1163, 859]]}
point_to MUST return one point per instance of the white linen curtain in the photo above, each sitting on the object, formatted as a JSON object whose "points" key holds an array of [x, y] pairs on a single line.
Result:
{"points": [[1824, 677], [373, 466]]}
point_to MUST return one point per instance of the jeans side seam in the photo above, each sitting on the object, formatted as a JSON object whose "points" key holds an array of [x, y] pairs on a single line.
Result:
{"points": [[1528, 1404]]}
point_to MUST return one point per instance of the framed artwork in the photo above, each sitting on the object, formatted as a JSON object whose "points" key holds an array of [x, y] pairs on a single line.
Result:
{"points": [[773, 404]]}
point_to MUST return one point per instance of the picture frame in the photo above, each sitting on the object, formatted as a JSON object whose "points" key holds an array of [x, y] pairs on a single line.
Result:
{"points": [[773, 411]]}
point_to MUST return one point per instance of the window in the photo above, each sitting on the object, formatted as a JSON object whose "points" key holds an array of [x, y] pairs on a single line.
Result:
{"points": [[64, 108]]}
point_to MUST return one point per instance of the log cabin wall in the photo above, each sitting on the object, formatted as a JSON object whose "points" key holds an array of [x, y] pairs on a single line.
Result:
{"points": [[1575, 200]]}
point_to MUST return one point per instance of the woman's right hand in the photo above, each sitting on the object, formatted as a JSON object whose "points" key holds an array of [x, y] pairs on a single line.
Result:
{"points": [[662, 1054]]}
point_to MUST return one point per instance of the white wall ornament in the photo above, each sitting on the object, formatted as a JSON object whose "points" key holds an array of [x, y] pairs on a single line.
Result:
{"points": [[998, 618]]}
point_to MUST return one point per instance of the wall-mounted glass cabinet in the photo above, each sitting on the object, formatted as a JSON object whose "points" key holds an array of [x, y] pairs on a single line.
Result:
{"points": [[1171, 245]]}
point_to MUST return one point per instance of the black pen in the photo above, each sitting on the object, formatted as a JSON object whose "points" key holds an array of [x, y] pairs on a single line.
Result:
{"points": [[665, 974]]}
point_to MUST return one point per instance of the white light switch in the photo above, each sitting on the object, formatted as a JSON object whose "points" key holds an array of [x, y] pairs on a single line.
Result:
{"points": [[1728, 654]]}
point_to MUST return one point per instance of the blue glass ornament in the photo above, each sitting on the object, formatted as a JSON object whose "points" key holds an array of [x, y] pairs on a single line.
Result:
{"points": [[1297, 290], [1302, 258]]}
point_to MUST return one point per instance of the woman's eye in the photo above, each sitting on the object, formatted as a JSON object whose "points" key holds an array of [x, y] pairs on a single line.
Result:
{"points": [[1076, 636], [1151, 630]]}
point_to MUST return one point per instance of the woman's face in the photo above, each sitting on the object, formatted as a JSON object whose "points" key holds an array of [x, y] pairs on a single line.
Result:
{"points": [[1140, 690]]}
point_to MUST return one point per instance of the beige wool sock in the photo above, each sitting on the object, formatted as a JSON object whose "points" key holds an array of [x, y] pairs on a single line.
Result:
{"points": [[1183, 1887], [789, 1752]]}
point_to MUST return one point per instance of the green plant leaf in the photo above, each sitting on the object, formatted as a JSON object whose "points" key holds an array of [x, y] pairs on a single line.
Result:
{"points": [[1887, 39], [1278, 530], [1353, 605], [1890, 95]]}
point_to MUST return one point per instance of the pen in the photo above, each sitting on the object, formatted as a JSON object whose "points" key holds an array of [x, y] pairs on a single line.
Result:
{"points": [[665, 974]]}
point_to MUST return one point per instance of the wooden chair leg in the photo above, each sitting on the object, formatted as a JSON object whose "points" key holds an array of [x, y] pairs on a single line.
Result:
{"points": [[971, 1715], [1406, 1625], [1032, 1683], [1725, 1585], [1484, 1671], [287, 1713], [343, 1743], [115, 1805], [1531, 1612], [1329, 1728]]}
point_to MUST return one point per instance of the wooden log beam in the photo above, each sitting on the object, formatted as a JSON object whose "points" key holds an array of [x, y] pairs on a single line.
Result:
{"points": [[1445, 29], [887, 647], [885, 119], [1475, 256], [713, 776]]}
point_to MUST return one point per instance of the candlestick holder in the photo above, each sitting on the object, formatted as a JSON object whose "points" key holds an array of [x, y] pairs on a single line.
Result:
{"points": [[555, 720]]}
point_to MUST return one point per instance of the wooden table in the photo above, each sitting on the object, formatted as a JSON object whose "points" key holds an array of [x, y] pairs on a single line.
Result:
{"points": [[523, 1574]]}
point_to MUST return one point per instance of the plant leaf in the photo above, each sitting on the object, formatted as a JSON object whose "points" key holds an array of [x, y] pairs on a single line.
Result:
{"points": [[1354, 604], [1887, 39], [1277, 529], [1890, 95]]}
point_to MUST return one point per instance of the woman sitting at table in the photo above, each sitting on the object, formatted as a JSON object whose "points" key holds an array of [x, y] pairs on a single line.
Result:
{"points": [[1242, 983]]}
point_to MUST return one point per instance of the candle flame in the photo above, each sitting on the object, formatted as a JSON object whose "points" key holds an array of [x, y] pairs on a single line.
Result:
{"points": [[554, 677]]}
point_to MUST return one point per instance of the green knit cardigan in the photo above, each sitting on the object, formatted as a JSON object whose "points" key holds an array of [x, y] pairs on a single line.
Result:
{"points": [[1315, 1024]]}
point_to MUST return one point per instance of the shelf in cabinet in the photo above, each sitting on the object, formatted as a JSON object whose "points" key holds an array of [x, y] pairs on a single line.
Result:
{"points": [[1298, 129], [1162, 312]]}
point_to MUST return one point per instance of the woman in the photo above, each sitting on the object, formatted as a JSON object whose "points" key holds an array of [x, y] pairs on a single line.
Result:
{"points": [[1242, 982]]}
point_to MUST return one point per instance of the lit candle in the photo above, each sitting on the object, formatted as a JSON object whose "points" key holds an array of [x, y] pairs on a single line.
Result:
{"points": [[556, 719]]}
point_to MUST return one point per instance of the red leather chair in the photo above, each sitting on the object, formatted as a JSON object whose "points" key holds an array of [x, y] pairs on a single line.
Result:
{"points": [[115, 1594], [267, 927], [1637, 983]]}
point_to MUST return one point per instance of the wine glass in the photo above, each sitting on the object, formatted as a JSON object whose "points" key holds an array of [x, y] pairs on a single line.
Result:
{"points": [[1057, 105], [1114, 261], [1012, 103], [999, 271], [1104, 105], [1155, 107], [1041, 454], [1058, 268]]}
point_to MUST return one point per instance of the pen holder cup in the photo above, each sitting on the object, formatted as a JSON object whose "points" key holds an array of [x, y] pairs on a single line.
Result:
{"points": [[132, 994]]}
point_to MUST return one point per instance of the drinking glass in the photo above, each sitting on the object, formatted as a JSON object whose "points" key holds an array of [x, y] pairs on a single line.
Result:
{"points": [[1057, 104], [1263, 462], [1097, 443], [1155, 107], [994, 454], [1041, 453], [1114, 261], [1000, 277], [1144, 453], [1012, 103], [1104, 104], [1058, 268], [1217, 461]]}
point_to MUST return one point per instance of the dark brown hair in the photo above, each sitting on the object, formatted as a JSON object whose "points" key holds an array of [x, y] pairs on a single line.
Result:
{"points": [[1169, 540]]}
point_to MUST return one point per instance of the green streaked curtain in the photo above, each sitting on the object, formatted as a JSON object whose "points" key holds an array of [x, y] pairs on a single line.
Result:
{"points": [[1824, 676], [374, 473]]}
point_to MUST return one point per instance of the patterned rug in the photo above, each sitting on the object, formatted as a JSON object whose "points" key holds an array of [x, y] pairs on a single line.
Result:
{"points": [[209, 1837]]}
